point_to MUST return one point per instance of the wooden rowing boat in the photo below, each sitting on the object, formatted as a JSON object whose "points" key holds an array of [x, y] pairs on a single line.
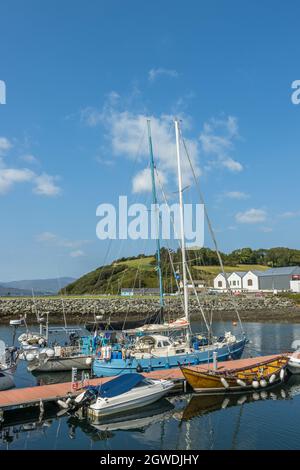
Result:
{"points": [[257, 376]]}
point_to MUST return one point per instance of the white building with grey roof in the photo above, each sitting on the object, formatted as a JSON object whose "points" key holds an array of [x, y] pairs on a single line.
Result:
{"points": [[273, 279]]}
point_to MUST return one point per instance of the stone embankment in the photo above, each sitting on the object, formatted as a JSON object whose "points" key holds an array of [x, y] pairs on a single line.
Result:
{"points": [[78, 309]]}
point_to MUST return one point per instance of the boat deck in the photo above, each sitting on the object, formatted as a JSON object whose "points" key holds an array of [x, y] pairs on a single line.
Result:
{"points": [[46, 393]]}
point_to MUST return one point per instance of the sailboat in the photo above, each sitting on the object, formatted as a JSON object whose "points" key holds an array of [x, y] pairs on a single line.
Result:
{"points": [[153, 351]]}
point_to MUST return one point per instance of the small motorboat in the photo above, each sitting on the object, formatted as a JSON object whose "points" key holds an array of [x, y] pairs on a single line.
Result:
{"points": [[8, 364], [294, 363], [119, 395], [260, 375]]}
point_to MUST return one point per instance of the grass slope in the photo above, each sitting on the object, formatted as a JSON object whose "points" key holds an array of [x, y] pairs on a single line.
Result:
{"points": [[139, 272]]}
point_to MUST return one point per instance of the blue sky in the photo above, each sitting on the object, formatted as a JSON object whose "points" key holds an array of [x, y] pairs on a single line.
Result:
{"points": [[82, 77]]}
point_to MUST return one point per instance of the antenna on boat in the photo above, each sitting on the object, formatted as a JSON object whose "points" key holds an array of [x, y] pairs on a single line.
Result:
{"points": [[184, 274], [157, 221]]}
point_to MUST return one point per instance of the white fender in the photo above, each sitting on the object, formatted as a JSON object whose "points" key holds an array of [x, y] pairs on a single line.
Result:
{"points": [[282, 374], [263, 383], [255, 384], [242, 399], [225, 403], [63, 404], [256, 396], [49, 352], [282, 393], [241, 383], [224, 382], [272, 378], [79, 397], [88, 361], [264, 395], [29, 357]]}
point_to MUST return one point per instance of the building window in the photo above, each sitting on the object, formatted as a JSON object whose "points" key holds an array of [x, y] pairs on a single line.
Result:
{"points": [[234, 283], [219, 283], [250, 282]]}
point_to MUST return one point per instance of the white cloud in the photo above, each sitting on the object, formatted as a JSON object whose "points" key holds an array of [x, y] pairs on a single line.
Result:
{"points": [[45, 185], [217, 141], [154, 73], [236, 195], [5, 145], [251, 216], [142, 181], [77, 253], [126, 133], [290, 214], [51, 238], [11, 176], [29, 159], [232, 165], [46, 237]]}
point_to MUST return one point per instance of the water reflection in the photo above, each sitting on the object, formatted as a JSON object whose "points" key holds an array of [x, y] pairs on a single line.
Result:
{"points": [[265, 419]]}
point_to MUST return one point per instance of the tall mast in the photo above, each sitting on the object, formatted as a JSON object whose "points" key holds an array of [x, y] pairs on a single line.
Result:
{"points": [[154, 200], [184, 276]]}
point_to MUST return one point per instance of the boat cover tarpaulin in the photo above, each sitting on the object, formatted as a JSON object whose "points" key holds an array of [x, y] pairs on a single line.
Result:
{"points": [[117, 386]]}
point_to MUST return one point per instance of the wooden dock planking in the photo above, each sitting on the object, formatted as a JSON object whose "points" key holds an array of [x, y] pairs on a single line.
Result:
{"points": [[33, 395]]}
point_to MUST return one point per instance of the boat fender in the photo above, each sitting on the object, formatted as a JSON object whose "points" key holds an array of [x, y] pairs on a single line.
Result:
{"points": [[241, 383], [139, 368], [49, 352], [224, 382], [225, 403], [272, 378], [283, 393], [255, 384], [282, 374], [263, 383], [242, 400], [29, 357], [63, 404], [107, 353], [88, 361], [256, 396], [264, 395]]}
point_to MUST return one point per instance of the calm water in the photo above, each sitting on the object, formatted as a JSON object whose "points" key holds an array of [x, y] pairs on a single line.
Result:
{"points": [[267, 421]]}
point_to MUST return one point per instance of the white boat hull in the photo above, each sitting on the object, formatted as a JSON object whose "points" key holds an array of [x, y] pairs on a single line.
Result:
{"points": [[56, 364], [135, 398], [294, 365]]}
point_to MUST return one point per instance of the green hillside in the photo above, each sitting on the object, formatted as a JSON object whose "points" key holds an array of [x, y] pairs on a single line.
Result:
{"points": [[140, 272]]}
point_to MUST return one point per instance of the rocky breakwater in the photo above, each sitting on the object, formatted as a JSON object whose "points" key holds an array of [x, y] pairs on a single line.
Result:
{"points": [[79, 309]]}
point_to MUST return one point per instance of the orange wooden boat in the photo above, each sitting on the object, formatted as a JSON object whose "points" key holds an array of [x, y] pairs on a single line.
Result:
{"points": [[257, 376]]}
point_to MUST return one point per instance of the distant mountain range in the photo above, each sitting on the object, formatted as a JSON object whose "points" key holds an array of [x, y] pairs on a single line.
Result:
{"points": [[39, 286]]}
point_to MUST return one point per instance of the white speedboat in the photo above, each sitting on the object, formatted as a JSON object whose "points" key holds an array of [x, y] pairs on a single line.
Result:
{"points": [[294, 363], [128, 392], [124, 393]]}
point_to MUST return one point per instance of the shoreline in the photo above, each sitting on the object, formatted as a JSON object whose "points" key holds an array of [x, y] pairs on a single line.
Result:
{"points": [[265, 309]]}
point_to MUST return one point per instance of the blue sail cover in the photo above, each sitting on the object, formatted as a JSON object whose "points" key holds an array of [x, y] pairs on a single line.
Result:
{"points": [[117, 386]]}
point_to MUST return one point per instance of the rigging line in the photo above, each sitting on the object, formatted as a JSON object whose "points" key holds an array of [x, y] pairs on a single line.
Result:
{"points": [[136, 274], [171, 261], [189, 273], [119, 252], [212, 233]]}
